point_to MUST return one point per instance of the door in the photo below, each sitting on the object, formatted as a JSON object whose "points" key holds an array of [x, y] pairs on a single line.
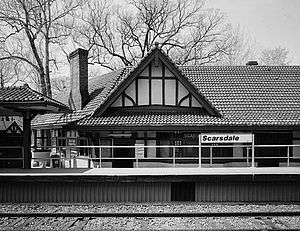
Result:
{"points": [[183, 191], [276, 152], [123, 153]]}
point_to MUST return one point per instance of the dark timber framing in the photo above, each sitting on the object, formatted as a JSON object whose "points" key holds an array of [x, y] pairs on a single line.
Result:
{"points": [[163, 85], [134, 74], [136, 92], [150, 79], [150, 83], [178, 101]]}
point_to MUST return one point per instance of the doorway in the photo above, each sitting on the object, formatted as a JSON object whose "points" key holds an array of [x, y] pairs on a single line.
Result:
{"points": [[183, 191], [123, 153], [264, 154]]}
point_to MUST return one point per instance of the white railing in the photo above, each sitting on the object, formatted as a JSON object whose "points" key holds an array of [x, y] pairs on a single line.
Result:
{"points": [[202, 156]]}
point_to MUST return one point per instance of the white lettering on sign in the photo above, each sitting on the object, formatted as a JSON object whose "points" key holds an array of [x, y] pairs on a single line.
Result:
{"points": [[226, 138], [139, 151]]}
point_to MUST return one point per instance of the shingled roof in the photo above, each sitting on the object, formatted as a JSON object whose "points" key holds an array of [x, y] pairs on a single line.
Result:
{"points": [[24, 96], [244, 95]]}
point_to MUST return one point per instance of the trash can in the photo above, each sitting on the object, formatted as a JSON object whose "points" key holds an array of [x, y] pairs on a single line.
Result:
{"points": [[55, 161]]}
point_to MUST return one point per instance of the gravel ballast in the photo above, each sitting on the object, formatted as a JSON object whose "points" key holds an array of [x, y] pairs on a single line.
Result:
{"points": [[141, 223]]}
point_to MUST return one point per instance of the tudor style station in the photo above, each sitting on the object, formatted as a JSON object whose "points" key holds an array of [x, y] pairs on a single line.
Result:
{"points": [[158, 114]]}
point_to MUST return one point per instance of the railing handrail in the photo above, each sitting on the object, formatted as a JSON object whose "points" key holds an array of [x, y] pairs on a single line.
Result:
{"points": [[155, 158], [170, 146], [173, 157]]}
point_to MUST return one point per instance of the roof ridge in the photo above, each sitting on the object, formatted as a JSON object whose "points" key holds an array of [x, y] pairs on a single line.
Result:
{"points": [[14, 87], [243, 66], [42, 96]]}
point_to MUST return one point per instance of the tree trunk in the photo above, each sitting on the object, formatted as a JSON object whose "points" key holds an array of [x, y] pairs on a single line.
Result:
{"points": [[43, 83], [1, 79], [47, 16], [47, 69]]}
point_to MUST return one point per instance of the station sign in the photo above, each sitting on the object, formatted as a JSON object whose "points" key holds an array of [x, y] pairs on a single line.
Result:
{"points": [[71, 141], [139, 151], [226, 138]]}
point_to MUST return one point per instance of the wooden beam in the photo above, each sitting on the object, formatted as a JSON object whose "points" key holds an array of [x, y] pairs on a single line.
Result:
{"points": [[27, 139], [8, 112], [163, 85]]}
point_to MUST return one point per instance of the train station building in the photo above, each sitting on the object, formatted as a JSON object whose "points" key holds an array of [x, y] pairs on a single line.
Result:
{"points": [[157, 132], [159, 104]]}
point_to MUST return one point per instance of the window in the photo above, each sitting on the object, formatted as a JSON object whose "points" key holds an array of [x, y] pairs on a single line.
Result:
{"points": [[156, 91], [156, 85], [106, 152], [143, 92], [170, 92]]}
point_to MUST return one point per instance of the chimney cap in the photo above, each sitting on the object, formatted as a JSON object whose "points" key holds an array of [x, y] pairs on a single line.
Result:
{"points": [[252, 63], [78, 51]]}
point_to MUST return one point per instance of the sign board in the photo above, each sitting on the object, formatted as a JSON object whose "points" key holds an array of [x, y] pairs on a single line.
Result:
{"points": [[139, 151], [226, 138], [71, 141]]}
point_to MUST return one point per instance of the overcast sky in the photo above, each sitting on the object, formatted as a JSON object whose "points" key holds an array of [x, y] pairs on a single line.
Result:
{"points": [[271, 23]]}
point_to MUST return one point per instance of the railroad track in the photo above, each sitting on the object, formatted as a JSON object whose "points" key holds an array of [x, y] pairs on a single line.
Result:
{"points": [[78, 221]]}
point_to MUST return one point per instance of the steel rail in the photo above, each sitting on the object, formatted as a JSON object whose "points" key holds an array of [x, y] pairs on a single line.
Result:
{"points": [[189, 214]]}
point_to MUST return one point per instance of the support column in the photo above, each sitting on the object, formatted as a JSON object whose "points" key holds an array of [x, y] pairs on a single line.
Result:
{"points": [[253, 153], [27, 139]]}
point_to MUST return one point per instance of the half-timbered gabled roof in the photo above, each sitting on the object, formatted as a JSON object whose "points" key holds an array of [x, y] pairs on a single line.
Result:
{"points": [[237, 96], [122, 83]]}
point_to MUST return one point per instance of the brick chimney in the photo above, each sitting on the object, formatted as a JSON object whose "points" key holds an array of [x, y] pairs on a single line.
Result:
{"points": [[79, 94], [252, 63]]}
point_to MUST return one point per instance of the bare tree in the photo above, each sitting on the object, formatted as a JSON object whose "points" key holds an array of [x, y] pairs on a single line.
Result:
{"points": [[243, 49], [7, 73], [274, 56], [30, 29], [186, 30]]}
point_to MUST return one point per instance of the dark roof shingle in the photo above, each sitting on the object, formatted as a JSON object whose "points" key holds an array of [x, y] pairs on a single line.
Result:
{"points": [[25, 95], [244, 96]]}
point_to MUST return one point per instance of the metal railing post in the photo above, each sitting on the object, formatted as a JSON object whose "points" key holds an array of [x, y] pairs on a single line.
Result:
{"points": [[174, 157], [210, 157], [199, 152], [100, 155], [288, 156], [253, 155]]}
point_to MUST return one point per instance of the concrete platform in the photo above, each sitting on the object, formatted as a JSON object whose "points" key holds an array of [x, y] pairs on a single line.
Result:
{"points": [[280, 184], [151, 171]]}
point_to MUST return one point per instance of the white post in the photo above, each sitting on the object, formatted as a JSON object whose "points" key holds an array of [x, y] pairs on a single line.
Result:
{"points": [[112, 148], [288, 156], [173, 157], [100, 154], [253, 156], [199, 151], [210, 157], [137, 158]]}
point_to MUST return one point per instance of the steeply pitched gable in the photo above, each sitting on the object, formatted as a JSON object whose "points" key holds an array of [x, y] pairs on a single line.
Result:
{"points": [[156, 80], [14, 128]]}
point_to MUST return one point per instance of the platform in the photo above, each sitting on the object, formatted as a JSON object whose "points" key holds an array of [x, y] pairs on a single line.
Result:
{"points": [[150, 171], [278, 184]]}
